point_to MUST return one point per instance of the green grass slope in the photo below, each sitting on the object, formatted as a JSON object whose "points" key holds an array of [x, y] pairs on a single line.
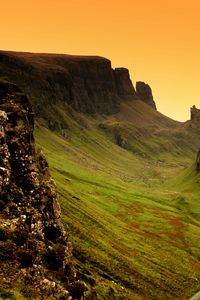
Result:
{"points": [[135, 233], [128, 190]]}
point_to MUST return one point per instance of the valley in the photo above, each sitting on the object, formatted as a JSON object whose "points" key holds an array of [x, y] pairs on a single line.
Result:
{"points": [[141, 213], [127, 182]]}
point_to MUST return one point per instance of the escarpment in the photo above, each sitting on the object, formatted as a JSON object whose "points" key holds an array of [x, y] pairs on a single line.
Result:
{"points": [[144, 93], [87, 83], [34, 249], [123, 82]]}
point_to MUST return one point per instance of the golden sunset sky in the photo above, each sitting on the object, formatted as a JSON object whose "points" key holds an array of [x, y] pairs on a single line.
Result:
{"points": [[158, 41]]}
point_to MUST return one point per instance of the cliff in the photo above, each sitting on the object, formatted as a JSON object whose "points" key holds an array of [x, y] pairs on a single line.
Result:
{"points": [[123, 83], [195, 113], [198, 161], [144, 93], [87, 83], [34, 249]]}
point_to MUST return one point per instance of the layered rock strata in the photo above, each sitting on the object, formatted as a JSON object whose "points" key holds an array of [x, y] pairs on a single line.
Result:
{"points": [[144, 93], [87, 83]]}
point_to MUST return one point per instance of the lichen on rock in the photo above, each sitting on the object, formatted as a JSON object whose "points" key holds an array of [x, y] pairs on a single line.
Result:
{"points": [[33, 243]]}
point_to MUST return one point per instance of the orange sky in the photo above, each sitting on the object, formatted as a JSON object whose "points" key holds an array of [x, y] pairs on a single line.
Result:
{"points": [[159, 41]]}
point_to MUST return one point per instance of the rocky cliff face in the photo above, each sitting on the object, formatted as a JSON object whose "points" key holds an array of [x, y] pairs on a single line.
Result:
{"points": [[144, 93], [195, 113], [123, 82], [88, 84], [34, 250]]}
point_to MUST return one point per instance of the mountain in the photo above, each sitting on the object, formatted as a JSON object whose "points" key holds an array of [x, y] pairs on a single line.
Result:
{"points": [[125, 175], [62, 85], [88, 84]]}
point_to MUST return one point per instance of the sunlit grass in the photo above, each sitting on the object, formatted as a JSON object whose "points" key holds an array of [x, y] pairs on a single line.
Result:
{"points": [[134, 233]]}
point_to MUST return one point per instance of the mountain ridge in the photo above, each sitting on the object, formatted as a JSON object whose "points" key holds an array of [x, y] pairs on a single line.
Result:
{"points": [[87, 83], [67, 89]]}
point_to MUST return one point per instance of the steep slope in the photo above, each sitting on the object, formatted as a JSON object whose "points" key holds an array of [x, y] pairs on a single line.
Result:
{"points": [[33, 243]]}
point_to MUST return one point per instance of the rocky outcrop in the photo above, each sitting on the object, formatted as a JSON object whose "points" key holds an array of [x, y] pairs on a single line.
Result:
{"points": [[86, 83], [92, 87], [123, 82], [195, 113], [144, 93], [33, 243]]}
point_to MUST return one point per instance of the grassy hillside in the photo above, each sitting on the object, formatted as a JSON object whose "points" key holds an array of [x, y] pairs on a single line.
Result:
{"points": [[128, 188], [135, 233]]}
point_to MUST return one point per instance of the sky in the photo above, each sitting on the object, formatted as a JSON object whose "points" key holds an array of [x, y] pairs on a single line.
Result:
{"points": [[158, 41]]}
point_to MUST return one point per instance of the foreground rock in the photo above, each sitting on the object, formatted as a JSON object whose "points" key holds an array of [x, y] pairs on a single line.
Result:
{"points": [[34, 250]]}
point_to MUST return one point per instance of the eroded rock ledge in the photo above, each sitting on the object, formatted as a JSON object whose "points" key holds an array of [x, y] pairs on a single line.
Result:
{"points": [[34, 250]]}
